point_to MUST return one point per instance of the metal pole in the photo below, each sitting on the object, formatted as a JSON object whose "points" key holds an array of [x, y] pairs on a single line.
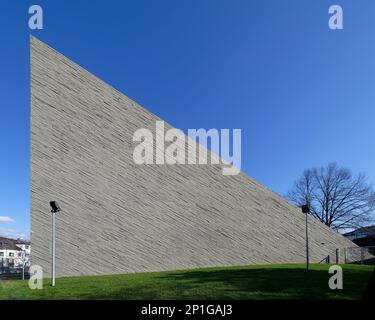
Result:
{"points": [[53, 249], [23, 265], [307, 246], [362, 255], [337, 256]]}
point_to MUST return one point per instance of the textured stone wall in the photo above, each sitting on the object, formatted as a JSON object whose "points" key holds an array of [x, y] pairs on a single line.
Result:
{"points": [[121, 217]]}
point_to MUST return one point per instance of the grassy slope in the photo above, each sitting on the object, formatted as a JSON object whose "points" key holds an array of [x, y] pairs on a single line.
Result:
{"points": [[250, 282]]}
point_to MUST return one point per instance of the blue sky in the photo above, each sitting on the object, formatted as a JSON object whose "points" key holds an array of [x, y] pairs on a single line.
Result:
{"points": [[302, 94]]}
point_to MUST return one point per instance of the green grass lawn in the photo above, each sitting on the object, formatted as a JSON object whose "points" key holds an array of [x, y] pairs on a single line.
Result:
{"points": [[250, 282]]}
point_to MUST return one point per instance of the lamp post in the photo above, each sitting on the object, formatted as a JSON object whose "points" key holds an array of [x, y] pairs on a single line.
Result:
{"points": [[306, 209], [23, 264], [55, 208]]}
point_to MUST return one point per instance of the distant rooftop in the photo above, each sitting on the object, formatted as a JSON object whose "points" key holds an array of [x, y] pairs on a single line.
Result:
{"points": [[22, 241], [360, 233], [368, 229], [8, 244]]}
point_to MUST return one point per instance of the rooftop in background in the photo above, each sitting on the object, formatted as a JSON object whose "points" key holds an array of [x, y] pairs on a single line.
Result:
{"points": [[362, 232], [22, 241], [8, 244]]}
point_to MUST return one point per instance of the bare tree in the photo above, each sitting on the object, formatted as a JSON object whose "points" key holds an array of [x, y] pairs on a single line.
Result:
{"points": [[336, 197]]}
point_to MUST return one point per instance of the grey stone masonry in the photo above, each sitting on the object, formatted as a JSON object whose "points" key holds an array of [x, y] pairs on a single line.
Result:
{"points": [[120, 217]]}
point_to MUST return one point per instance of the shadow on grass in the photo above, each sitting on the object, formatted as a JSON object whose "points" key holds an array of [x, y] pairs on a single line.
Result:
{"points": [[261, 283], [289, 282]]}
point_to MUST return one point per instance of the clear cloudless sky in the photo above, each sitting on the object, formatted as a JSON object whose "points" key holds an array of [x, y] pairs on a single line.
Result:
{"points": [[302, 94]]}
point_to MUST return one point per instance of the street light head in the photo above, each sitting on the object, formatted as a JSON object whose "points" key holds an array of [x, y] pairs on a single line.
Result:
{"points": [[305, 208], [55, 206]]}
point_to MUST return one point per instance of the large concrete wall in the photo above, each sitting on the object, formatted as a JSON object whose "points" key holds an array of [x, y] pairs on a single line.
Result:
{"points": [[121, 217]]}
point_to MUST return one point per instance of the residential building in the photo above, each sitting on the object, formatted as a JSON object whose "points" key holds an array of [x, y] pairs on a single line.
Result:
{"points": [[10, 253], [25, 246], [363, 237]]}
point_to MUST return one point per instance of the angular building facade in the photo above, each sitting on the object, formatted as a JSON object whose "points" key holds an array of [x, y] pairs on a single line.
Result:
{"points": [[120, 217]]}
